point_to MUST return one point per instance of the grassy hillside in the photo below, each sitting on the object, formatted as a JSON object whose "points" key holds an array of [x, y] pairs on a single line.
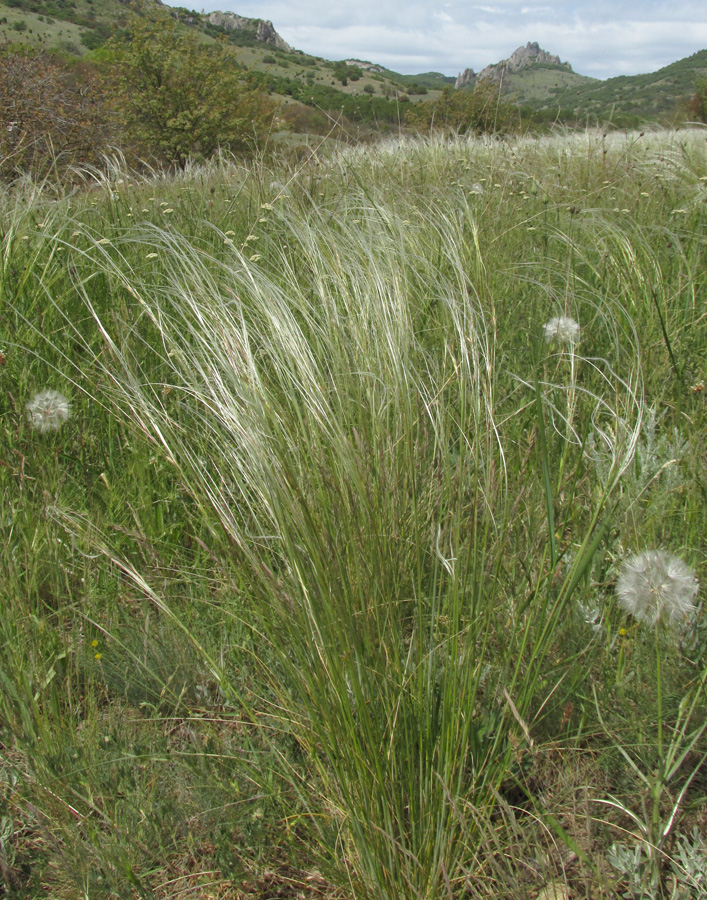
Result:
{"points": [[353, 525], [540, 84], [654, 96], [72, 26], [76, 27]]}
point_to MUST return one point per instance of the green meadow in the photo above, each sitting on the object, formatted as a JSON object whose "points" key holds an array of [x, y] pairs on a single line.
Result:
{"points": [[355, 553]]}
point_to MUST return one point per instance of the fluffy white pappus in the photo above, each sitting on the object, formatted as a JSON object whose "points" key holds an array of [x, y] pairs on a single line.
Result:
{"points": [[48, 411], [562, 329], [657, 586]]}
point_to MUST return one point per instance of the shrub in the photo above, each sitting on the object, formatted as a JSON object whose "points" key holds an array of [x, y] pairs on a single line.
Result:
{"points": [[180, 97], [475, 112], [51, 116]]}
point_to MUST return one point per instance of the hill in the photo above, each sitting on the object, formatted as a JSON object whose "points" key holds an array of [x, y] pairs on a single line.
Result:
{"points": [[633, 98], [363, 90]]}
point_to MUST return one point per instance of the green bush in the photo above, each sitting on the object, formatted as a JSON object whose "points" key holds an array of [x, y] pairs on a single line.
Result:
{"points": [[179, 96]]}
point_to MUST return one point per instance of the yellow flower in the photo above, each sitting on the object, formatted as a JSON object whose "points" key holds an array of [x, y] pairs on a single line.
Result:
{"points": [[98, 656], [94, 643]]}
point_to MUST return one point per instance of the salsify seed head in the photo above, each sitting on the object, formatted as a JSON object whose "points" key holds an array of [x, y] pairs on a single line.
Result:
{"points": [[657, 586], [48, 410], [562, 329]]}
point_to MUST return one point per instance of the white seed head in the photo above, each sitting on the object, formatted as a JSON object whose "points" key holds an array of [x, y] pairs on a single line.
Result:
{"points": [[655, 586], [562, 329], [48, 411]]}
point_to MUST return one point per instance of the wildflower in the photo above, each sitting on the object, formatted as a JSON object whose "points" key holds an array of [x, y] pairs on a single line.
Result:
{"points": [[48, 410], [655, 586], [152, 255], [477, 188], [168, 210], [562, 329]]}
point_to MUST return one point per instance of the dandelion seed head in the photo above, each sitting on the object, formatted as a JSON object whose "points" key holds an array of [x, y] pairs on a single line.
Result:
{"points": [[657, 586], [562, 329], [48, 410]]}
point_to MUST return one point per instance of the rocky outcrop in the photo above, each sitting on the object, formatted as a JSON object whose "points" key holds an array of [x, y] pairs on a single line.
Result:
{"points": [[530, 55], [464, 78], [263, 29], [267, 34], [366, 66]]}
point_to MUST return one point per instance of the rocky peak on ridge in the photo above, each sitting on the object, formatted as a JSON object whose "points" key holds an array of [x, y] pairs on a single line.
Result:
{"points": [[464, 77], [264, 29], [531, 54]]}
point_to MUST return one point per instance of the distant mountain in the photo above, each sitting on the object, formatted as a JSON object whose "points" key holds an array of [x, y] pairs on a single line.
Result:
{"points": [[530, 76], [535, 78], [523, 58]]}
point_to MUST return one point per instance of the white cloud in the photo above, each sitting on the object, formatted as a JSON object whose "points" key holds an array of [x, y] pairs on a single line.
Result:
{"points": [[601, 38]]}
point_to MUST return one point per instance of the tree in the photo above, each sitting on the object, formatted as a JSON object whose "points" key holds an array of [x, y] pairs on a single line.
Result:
{"points": [[464, 111], [697, 105], [181, 96]]}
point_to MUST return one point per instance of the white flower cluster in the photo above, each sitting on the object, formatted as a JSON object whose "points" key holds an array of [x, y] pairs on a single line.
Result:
{"points": [[657, 586], [48, 411], [563, 330]]}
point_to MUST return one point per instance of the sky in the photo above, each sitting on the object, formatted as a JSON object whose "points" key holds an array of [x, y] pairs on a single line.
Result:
{"points": [[601, 38]]}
